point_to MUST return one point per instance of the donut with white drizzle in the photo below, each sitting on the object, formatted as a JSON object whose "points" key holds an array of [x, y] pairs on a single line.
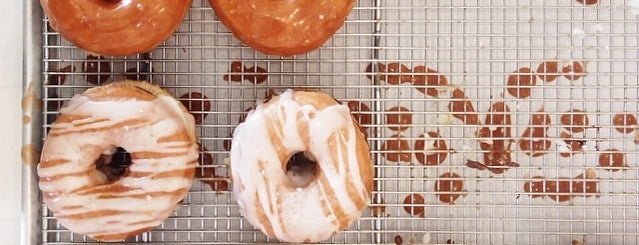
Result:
{"points": [[294, 122], [157, 132]]}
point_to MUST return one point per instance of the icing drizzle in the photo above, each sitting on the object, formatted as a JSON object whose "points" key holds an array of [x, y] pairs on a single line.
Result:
{"points": [[159, 136], [260, 149]]}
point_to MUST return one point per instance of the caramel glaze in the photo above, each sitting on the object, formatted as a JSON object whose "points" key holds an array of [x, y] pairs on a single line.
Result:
{"points": [[426, 80], [142, 71], [398, 240], [197, 104], [381, 69], [414, 204], [362, 114], [624, 123], [115, 27], [239, 72], [613, 160], [575, 120], [397, 149], [573, 71], [497, 142], [396, 73], [563, 189], [449, 187], [61, 77], [27, 153], [434, 154], [54, 105], [480, 166], [227, 142], [574, 144], [137, 73], [98, 71], [393, 73], [206, 172], [236, 70], [399, 118], [462, 108], [520, 83], [548, 71], [535, 140], [283, 28], [588, 2], [205, 160]]}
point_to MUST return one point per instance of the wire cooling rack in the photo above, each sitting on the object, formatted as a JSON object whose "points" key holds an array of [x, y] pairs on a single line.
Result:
{"points": [[451, 162]]}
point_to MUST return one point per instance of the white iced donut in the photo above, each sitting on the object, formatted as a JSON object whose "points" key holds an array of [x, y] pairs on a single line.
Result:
{"points": [[156, 131], [340, 177]]}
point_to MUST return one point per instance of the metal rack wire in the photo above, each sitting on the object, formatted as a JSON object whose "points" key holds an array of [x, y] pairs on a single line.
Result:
{"points": [[477, 45]]}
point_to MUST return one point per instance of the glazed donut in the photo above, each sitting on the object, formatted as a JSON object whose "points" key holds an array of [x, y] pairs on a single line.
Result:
{"points": [[146, 121], [283, 27], [115, 27], [297, 122]]}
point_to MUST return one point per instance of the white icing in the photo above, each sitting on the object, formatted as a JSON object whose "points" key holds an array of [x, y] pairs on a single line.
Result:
{"points": [[562, 146], [426, 238], [162, 117], [296, 214], [429, 145]]}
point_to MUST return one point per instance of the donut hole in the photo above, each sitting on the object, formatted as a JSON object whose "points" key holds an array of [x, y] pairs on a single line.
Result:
{"points": [[113, 163], [301, 169]]}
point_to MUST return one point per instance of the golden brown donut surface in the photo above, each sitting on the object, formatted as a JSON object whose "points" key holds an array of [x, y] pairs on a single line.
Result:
{"points": [[115, 27], [283, 27]]}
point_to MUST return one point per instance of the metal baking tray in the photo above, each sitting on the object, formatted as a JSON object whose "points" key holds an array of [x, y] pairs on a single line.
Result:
{"points": [[481, 47]]}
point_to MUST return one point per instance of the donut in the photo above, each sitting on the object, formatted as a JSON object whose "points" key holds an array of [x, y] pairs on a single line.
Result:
{"points": [[115, 27], [308, 200], [283, 28], [153, 129]]}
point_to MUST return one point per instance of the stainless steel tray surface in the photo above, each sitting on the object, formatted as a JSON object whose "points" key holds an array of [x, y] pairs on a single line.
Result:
{"points": [[465, 79]]}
